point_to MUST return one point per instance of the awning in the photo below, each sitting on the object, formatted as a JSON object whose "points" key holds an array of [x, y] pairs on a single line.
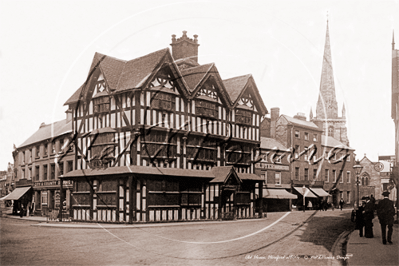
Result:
{"points": [[278, 194], [17, 193], [308, 193], [320, 192]]}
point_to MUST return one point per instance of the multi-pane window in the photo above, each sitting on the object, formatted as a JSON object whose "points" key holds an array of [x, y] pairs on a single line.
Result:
{"points": [[37, 152], [296, 173], [334, 173], [101, 104], [306, 174], [348, 177], [314, 137], [30, 156], [52, 171], [52, 147], [61, 168], [103, 146], [297, 135], [348, 196], [205, 108], [70, 166], [314, 174], [326, 177], [296, 151], [61, 144], [160, 145], [45, 149], [37, 170], [23, 173], [45, 172], [163, 101], [341, 180], [243, 117], [306, 136], [305, 155], [278, 178]]}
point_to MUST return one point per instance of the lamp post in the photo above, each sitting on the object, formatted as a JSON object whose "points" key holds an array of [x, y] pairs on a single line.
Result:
{"points": [[304, 191], [358, 169]]}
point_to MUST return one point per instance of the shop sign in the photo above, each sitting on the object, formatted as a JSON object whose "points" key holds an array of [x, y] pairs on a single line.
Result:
{"points": [[53, 183], [272, 166]]}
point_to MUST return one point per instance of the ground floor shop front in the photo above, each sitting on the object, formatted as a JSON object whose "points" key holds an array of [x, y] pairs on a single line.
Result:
{"points": [[131, 194]]}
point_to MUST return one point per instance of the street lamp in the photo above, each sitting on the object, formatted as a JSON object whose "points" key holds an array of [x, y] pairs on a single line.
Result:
{"points": [[358, 169]]}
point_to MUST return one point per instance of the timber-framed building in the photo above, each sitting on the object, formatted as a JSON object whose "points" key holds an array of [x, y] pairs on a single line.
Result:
{"points": [[164, 138]]}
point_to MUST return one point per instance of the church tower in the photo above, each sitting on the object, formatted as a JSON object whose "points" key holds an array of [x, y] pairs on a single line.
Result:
{"points": [[327, 107]]}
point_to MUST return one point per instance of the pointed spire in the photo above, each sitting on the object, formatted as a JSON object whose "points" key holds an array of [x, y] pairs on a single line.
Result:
{"points": [[311, 114], [343, 111], [327, 106], [393, 40]]}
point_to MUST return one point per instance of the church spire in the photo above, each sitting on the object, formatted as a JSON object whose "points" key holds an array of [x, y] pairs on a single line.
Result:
{"points": [[343, 111], [393, 40], [327, 106], [311, 114]]}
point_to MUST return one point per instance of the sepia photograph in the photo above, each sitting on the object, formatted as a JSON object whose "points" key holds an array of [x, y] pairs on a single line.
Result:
{"points": [[198, 132]]}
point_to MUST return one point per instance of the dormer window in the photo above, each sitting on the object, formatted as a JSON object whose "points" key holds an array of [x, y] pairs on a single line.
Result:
{"points": [[101, 104], [243, 117], [206, 108]]}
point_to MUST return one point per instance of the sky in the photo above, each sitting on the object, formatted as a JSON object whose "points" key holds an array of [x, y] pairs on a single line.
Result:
{"points": [[46, 49]]}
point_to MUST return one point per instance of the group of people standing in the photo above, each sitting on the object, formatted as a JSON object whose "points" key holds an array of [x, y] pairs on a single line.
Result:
{"points": [[385, 212]]}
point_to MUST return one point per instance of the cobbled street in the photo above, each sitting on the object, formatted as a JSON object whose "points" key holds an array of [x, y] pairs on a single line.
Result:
{"points": [[298, 238]]}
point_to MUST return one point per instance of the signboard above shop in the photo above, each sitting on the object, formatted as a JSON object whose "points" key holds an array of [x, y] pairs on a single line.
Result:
{"points": [[272, 166]]}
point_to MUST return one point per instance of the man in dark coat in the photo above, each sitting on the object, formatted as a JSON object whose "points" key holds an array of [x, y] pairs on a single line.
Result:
{"points": [[368, 215], [386, 212], [360, 219]]}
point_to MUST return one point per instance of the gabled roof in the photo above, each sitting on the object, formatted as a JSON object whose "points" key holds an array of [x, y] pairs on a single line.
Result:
{"points": [[269, 143], [122, 75], [302, 123], [331, 142], [236, 86], [48, 132], [222, 173], [194, 75]]}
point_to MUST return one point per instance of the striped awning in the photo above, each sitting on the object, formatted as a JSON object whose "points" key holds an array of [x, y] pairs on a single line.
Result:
{"points": [[17, 193], [308, 193], [320, 192], [278, 194]]}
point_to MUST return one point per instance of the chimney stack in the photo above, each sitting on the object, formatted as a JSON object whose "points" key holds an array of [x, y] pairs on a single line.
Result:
{"points": [[185, 47], [300, 116], [274, 115]]}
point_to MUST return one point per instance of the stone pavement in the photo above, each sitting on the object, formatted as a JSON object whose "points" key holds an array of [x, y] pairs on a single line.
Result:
{"points": [[371, 251]]}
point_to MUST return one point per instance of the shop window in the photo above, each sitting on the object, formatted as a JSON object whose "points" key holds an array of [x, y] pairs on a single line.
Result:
{"points": [[243, 117], [278, 178], [163, 101], [206, 109]]}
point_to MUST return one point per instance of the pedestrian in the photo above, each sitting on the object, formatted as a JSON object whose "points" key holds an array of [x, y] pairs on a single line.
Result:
{"points": [[360, 218], [385, 213], [341, 203], [368, 215], [21, 212]]}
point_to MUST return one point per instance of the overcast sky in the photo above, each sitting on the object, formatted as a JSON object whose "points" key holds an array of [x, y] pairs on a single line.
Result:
{"points": [[46, 48]]}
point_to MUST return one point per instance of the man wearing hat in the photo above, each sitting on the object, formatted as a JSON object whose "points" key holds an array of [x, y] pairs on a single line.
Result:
{"points": [[360, 218], [386, 212], [368, 215]]}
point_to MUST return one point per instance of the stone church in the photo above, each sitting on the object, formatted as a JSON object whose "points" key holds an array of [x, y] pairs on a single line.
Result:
{"points": [[327, 107]]}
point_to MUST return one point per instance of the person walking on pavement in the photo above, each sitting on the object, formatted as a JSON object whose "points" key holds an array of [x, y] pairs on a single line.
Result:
{"points": [[341, 203], [368, 215], [360, 218], [385, 213]]}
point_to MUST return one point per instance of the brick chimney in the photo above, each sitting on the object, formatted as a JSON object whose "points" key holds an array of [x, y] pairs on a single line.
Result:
{"points": [[300, 116], [274, 115], [185, 47]]}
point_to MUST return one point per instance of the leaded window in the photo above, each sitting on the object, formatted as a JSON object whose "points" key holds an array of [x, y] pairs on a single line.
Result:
{"points": [[206, 109], [163, 101], [101, 104], [243, 117]]}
